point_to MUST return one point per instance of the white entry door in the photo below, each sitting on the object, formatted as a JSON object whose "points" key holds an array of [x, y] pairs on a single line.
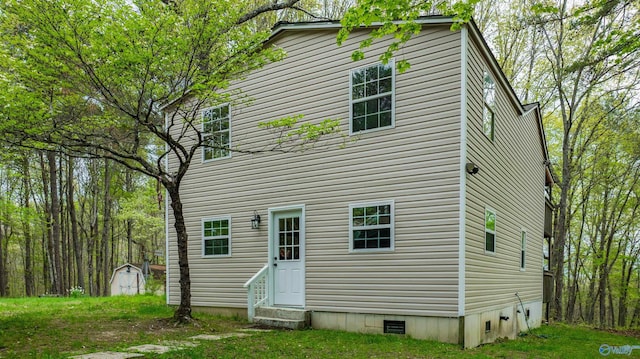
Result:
{"points": [[288, 258]]}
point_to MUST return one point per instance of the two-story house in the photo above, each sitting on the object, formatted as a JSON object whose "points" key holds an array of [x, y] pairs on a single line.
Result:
{"points": [[430, 223]]}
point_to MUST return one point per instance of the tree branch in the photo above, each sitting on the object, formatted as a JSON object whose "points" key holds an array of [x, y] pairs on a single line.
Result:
{"points": [[266, 8]]}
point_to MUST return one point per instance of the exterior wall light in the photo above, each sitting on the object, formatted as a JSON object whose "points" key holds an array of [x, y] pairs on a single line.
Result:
{"points": [[472, 168], [255, 221]]}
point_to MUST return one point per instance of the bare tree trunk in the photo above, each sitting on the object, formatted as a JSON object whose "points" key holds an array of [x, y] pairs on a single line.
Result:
{"points": [[26, 229], [77, 241], [592, 296], [612, 313], [129, 187], [93, 232], [183, 312], [114, 247], [602, 294], [573, 284], [93, 290], [627, 270], [105, 228], [55, 222], [635, 318], [47, 254], [3, 269], [605, 246], [65, 263], [628, 265], [558, 257], [5, 231], [45, 264]]}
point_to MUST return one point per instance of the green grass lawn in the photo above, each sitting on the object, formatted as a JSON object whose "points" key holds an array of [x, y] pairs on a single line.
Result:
{"points": [[61, 327]]}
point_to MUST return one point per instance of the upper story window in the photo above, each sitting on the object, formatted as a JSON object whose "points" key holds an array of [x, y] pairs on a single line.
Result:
{"points": [[371, 226], [489, 231], [216, 237], [489, 108], [372, 97], [216, 132]]}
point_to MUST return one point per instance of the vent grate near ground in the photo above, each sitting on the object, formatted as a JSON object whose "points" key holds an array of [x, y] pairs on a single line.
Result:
{"points": [[394, 326]]}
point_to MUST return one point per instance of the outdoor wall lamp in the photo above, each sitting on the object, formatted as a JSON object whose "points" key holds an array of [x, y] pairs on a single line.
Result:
{"points": [[472, 168], [255, 221]]}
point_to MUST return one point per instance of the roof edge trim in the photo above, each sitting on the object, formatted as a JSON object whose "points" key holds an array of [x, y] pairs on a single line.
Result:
{"points": [[335, 24]]}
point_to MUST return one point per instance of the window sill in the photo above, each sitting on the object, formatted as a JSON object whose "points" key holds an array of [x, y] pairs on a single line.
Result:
{"points": [[372, 130], [372, 250], [215, 159], [215, 256]]}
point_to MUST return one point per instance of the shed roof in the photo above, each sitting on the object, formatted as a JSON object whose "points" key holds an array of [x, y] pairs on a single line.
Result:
{"points": [[158, 271]]}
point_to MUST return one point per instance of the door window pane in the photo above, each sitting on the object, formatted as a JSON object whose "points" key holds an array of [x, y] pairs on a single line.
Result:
{"points": [[289, 238]]}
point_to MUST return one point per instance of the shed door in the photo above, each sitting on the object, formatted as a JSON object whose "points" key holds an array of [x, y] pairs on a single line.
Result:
{"points": [[288, 260], [128, 282]]}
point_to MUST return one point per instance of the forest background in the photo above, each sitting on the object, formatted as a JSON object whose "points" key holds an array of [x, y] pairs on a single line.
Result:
{"points": [[67, 221]]}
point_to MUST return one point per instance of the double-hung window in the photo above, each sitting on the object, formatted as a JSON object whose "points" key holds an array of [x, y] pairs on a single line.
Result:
{"points": [[372, 97], [216, 237], [371, 226], [216, 132], [489, 230], [489, 108]]}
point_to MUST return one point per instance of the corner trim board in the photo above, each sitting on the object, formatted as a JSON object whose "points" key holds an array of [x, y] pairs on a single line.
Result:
{"points": [[463, 175], [167, 283]]}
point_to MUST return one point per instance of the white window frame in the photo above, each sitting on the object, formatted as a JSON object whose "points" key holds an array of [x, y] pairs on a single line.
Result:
{"points": [[391, 226], [391, 64], [205, 135], [489, 107], [523, 249], [486, 230], [205, 238]]}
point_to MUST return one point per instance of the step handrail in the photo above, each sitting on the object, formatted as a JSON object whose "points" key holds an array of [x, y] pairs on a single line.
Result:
{"points": [[257, 291]]}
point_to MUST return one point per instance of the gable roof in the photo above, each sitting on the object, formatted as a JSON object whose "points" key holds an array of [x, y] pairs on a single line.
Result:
{"points": [[281, 28]]}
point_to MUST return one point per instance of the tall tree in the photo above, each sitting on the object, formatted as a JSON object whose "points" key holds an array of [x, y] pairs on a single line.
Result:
{"points": [[587, 46], [129, 58]]}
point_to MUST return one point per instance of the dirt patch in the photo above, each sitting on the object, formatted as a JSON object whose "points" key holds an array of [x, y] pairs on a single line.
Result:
{"points": [[266, 327], [635, 333], [168, 325], [108, 336]]}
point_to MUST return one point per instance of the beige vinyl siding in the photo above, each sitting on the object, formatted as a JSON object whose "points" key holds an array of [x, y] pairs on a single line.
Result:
{"points": [[415, 164], [511, 182]]}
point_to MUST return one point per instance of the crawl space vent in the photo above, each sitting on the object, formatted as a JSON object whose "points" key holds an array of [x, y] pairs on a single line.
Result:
{"points": [[394, 326]]}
